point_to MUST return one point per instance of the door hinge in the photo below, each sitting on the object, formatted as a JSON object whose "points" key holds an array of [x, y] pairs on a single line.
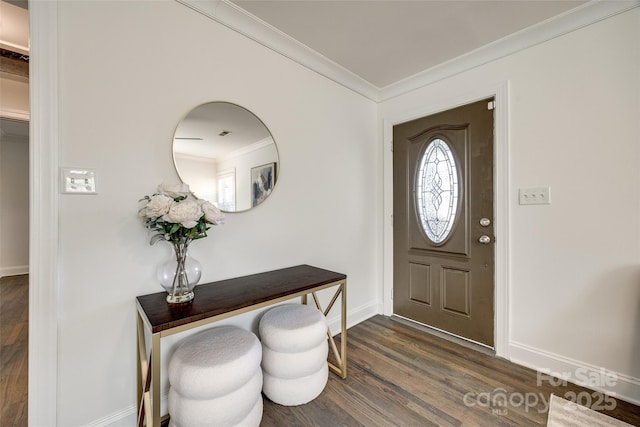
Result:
{"points": [[491, 105]]}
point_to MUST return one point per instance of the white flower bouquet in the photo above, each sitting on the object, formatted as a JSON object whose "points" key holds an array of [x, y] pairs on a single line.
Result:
{"points": [[177, 216]]}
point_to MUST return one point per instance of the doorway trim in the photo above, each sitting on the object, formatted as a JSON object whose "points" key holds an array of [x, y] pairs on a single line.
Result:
{"points": [[43, 222], [502, 199]]}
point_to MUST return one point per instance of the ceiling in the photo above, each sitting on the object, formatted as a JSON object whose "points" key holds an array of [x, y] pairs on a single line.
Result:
{"points": [[216, 130], [384, 48], [385, 41]]}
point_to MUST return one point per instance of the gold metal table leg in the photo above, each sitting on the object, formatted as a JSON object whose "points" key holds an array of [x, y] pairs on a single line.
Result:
{"points": [[155, 381], [343, 336], [143, 371], [148, 369], [340, 356]]}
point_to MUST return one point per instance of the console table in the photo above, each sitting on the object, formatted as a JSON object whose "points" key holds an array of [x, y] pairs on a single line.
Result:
{"points": [[220, 300]]}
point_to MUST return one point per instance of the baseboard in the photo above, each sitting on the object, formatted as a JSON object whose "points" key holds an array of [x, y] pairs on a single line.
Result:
{"points": [[127, 417], [620, 386], [14, 271], [123, 418], [354, 316]]}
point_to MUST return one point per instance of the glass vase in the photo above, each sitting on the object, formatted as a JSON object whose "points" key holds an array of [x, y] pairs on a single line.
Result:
{"points": [[179, 275]]}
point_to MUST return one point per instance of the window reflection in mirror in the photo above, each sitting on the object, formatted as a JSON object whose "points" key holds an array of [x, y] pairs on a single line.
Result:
{"points": [[226, 155]]}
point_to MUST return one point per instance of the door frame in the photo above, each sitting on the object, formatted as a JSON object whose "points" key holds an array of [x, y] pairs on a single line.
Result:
{"points": [[502, 199], [44, 280]]}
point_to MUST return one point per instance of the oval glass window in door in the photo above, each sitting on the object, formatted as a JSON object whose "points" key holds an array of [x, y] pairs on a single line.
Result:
{"points": [[437, 190]]}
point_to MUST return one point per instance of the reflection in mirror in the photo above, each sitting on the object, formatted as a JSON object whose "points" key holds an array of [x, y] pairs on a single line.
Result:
{"points": [[226, 155]]}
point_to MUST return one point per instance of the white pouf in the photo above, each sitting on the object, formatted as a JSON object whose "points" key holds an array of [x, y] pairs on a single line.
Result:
{"points": [[214, 362], [227, 410], [294, 354], [215, 379], [295, 391], [291, 328], [294, 365], [251, 420]]}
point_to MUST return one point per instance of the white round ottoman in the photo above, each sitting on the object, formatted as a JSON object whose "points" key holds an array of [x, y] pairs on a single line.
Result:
{"points": [[294, 354], [215, 379]]}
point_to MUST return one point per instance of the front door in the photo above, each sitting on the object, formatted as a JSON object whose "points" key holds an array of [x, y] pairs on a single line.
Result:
{"points": [[443, 221]]}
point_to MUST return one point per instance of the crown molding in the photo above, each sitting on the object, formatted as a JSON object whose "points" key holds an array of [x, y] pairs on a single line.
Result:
{"points": [[247, 149], [562, 24], [239, 20], [15, 114]]}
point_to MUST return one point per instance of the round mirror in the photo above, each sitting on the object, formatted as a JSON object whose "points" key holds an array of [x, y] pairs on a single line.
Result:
{"points": [[226, 155]]}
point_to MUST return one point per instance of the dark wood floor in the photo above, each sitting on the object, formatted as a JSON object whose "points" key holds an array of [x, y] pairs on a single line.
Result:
{"points": [[398, 376], [14, 330], [402, 376]]}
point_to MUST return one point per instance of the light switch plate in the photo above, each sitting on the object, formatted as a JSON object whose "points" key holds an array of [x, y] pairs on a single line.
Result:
{"points": [[535, 196], [78, 181]]}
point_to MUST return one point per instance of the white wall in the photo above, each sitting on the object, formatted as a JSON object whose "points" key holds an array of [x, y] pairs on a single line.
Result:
{"points": [[575, 265], [14, 102], [14, 205], [14, 176], [242, 164], [121, 95], [201, 175]]}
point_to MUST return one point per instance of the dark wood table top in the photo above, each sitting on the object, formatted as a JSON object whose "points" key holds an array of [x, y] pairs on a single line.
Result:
{"points": [[224, 296]]}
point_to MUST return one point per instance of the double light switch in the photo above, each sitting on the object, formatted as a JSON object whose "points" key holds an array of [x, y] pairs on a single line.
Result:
{"points": [[78, 181]]}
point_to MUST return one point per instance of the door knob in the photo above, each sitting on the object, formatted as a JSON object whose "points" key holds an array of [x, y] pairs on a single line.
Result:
{"points": [[484, 239], [485, 222]]}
